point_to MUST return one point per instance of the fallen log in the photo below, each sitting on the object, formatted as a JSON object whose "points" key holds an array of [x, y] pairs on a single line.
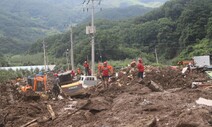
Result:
{"points": [[154, 86], [49, 107]]}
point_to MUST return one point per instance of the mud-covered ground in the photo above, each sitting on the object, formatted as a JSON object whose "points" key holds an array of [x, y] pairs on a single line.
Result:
{"points": [[126, 103]]}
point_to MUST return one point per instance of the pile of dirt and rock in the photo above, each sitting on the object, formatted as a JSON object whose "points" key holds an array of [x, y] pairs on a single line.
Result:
{"points": [[163, 99], [16, 109], [8, 94], [138, 107], [173, 78], [131, 103], [167, 77], [21, 113]]}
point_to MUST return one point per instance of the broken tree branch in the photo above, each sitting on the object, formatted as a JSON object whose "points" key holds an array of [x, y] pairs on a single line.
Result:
{"points": [[30, 122], [49, 107]]}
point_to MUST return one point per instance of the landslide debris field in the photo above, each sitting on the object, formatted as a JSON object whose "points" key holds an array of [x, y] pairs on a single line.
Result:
{"points": [[163, 99]]}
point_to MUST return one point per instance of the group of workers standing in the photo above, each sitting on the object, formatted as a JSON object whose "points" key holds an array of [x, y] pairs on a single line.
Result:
{"points": [[105, 71], [86, 68]]}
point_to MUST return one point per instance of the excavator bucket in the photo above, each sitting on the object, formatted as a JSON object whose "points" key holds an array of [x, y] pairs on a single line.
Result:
{"points": [[29, 94]]}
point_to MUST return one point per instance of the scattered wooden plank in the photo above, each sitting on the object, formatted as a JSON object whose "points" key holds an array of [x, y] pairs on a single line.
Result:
{"points": [[30, 122], [49, 107]]}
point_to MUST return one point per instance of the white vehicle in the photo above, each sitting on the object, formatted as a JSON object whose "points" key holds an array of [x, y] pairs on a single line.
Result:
{"points": [[88, 81], [77, 88], [203, 61]]}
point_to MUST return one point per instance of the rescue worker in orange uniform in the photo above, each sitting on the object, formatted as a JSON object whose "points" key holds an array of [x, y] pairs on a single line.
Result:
{"points": [[111, 69], [79, 71], [105, 73], [72, 73], [99, 68], [86, 66], [140, 68]]}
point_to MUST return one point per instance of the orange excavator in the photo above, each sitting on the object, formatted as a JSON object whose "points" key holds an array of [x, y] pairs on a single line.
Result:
{"points": [[37, 84], [35, 87]]}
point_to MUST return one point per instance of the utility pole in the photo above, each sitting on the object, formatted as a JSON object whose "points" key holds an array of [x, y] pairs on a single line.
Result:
{"points": [[44, 54], [92, 40], [47, 62], [92, 31], [156, 55], [72, 50], [67, 60]]}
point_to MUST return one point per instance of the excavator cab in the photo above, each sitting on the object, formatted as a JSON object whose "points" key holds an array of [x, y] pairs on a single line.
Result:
{"points": [[38, 83], [65, 78]]}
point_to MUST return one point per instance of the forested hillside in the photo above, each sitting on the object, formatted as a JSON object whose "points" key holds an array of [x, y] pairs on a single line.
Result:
{"points": [[25, 21], [184, 25], [180, 26]]}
